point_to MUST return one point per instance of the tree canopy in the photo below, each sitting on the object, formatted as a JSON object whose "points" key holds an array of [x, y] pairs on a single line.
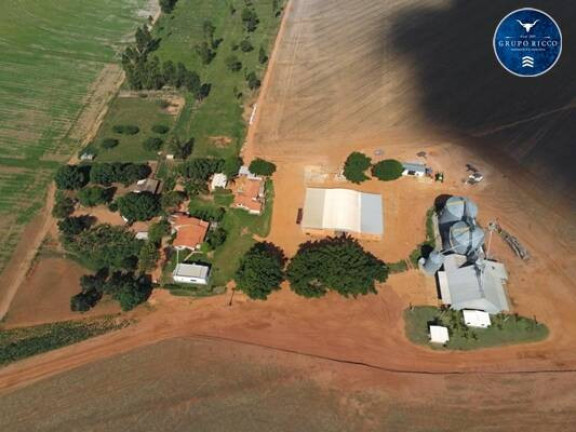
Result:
{"points": [[356, 166], [262, 167], [336, 263], [261, 271], [91, 196], [64, 206], [70, 177], [106, 246], [118, 172], [139, 206], [201, 168], [386, 170]]}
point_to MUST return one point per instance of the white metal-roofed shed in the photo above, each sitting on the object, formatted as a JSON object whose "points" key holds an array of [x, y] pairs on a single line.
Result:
{"points": [[476, 318], [439, 334], [191, 273], [343, 210]]}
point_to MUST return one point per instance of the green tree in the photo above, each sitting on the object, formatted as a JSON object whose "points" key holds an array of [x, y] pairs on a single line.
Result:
{"points": [[261, 167], [159, 230], [246, 45], [91, 196], [261, 271], [148, 257], [233, 63], [355, 167], [152, 144], [171, 200], [386, 170], [338, 264], [160, 129], [250, 19], [139, 206], [231, 166], [201, 168], [180, 150], [128, 289], [64, 206], [70, 177], [262, 56], [253, 81], [208, 29], [216, 237], [167, 6], [108, 143], [205, 52], [106, 246], [72, 226]]}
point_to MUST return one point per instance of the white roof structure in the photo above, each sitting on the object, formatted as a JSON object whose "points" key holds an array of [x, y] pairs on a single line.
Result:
{"points": [[245, 171], [191, 271], [142, 235], [476, 318], [415, 169], [478, 286], [219, 180], [343, 210], [439, 334]]}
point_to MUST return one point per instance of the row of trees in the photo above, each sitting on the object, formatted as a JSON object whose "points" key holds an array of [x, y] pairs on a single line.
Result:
{"points": [[358, 163], [145, 73], [128, 288], [339, 264], [72, 177]]}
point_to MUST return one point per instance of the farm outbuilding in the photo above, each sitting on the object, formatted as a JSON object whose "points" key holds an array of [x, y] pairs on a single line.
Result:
{"points": [[476, 318], [478, 285], [328, 211], [191, 273], [439, 334]]}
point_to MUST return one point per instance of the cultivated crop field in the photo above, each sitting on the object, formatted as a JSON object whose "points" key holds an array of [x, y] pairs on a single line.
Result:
{"points": [[52, 51]]}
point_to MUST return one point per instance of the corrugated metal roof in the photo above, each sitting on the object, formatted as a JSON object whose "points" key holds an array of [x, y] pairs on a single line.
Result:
{"points": [[191, 270], [372, 221], [469, 287], [343, 210]]}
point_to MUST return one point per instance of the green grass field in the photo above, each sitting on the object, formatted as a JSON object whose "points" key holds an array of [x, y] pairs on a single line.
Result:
{"points": [[505, 330], [221, 114], [136, 111], [52, 51]]}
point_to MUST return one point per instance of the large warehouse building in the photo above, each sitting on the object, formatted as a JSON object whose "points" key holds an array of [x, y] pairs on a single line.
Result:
{"points": [[333, 211]]}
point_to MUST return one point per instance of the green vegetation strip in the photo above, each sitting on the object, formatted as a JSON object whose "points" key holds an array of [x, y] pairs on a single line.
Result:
{"points": [[505, 329], [17, 344]]}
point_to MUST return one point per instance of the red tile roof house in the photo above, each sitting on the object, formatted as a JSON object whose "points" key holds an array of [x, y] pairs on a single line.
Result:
{"points": [[190, 231], [249, 194]]}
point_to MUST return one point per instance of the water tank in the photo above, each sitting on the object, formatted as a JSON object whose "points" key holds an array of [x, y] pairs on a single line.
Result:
{"points": [[434, 262], [464, 238]]}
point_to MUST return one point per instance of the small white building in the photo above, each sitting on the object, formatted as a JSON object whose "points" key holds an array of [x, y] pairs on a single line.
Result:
{"points": [[219, 180], [439, 334], [245, 172], [476, 318], [142, 235], [191, 274], [414, 169]]}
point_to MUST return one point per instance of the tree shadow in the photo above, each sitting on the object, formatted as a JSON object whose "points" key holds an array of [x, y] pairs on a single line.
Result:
{"points": [[463, 88]]}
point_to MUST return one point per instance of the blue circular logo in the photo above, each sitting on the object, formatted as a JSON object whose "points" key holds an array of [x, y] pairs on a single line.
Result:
{"points": [[528, 42]]}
